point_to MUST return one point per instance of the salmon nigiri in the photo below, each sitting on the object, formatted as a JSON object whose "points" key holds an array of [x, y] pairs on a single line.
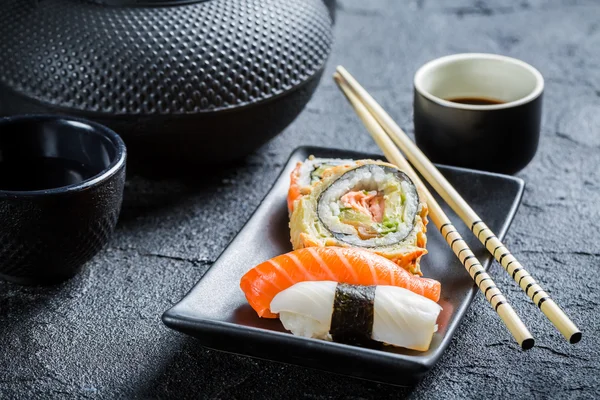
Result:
{"points": [[344, 265]]}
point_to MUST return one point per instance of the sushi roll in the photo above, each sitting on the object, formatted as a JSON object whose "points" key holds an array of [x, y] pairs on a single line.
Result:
{"points": [[307, 173], [345, 265], [358, 315], [368, 204]]}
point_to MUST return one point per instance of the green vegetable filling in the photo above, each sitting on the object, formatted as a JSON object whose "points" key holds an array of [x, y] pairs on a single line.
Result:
{"points": [[394, 214], [317, 174]]}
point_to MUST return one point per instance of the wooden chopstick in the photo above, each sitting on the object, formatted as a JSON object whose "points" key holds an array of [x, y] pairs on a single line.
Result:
{"points": [[535, 292], [483, 281]]}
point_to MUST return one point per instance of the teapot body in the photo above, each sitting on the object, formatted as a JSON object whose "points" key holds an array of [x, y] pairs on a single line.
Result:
{"points": [[189, 82]]}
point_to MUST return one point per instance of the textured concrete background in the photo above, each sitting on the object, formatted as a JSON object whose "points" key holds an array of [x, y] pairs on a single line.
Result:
{"points": [[100, 335]]}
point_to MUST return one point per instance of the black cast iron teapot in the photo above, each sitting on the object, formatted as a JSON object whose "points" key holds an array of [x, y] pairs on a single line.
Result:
{"points": [[183, 82]]}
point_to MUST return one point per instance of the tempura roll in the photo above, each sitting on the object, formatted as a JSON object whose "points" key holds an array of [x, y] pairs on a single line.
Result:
{"points": [[367, 204]]}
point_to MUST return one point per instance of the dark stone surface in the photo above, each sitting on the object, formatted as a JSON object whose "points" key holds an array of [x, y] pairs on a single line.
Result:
{"points": [[100, 335]]}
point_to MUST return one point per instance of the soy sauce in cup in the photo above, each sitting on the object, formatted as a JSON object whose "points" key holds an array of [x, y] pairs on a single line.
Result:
{"points": [[478, 101], [41, 173], [480, 111]]}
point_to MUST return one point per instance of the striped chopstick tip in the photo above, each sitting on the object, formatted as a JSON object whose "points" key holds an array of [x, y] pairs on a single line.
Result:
{"points": [[575, 338], [527, 343]]}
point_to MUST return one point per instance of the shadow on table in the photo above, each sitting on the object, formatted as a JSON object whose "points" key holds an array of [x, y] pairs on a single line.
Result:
{"points": [[143, 195], [23, 306], [196, 372]]}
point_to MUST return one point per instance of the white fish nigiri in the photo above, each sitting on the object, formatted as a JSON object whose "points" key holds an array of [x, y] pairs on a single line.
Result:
{"points": [[400, 317]]}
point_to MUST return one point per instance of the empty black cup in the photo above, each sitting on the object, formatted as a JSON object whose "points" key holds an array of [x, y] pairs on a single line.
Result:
{"points": [[61, 189], [500, 137]]}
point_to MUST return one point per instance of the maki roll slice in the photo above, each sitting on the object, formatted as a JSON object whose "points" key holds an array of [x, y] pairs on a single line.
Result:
{"points": [[367, 204], [307, 173]]}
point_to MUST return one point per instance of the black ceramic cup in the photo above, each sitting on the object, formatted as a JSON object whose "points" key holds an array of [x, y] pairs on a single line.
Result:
{"points": [[61, 188], [501, 137]]}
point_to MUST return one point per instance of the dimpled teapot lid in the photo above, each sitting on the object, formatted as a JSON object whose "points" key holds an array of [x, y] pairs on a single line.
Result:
{"points": [[179, 57]]}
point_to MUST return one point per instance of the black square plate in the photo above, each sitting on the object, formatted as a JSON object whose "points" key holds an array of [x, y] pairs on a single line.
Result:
{"points": [[216, 312]]}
